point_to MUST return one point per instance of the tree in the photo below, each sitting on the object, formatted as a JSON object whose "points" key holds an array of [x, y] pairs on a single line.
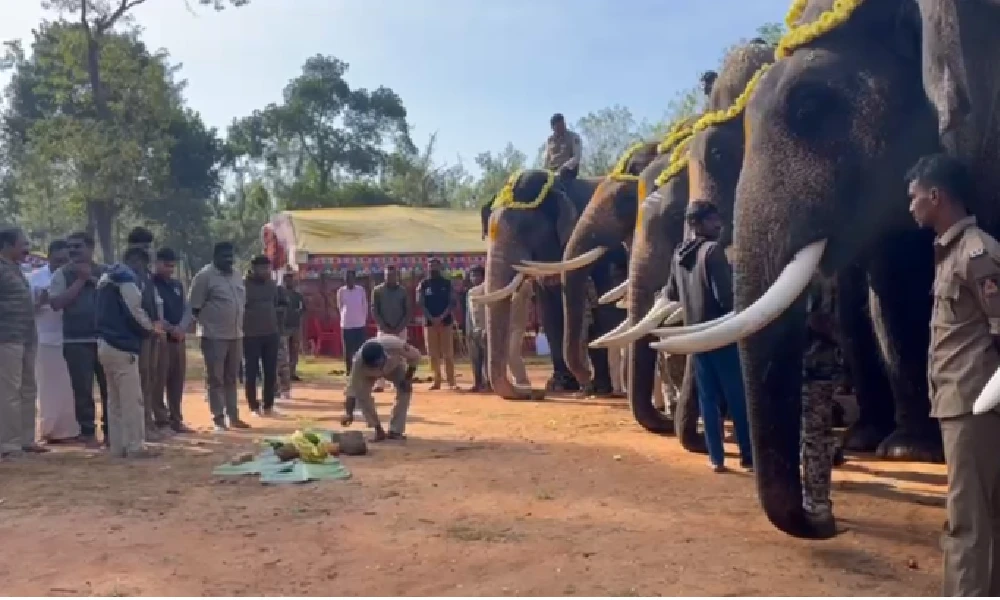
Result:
{"points": [[496, 169], [414, 178], [102, 154], [83, 52], [771, 32], [325, 125]]}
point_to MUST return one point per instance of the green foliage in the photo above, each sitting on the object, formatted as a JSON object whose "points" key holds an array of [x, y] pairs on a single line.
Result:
{"points": [[325, 125], [95, 133]]}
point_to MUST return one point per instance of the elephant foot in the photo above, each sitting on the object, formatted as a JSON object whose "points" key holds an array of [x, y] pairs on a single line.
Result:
{"points": [[920, 443], [562, 383], [601, 391], [864, 437], [694, 443]]}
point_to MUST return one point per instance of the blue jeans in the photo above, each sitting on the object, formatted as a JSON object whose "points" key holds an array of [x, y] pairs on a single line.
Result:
{"points": [[718, 376]]}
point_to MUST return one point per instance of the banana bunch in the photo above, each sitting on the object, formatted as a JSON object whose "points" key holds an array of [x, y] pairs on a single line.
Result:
{"points": [[311, 448]]}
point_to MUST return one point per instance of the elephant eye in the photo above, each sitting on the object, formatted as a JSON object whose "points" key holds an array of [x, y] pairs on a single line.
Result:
{"points": [[811, 109]]}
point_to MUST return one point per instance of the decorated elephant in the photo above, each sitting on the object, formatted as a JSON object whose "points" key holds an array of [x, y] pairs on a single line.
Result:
{"points": [[595, 246], [833, 128], [661, 228], [530, 219]]}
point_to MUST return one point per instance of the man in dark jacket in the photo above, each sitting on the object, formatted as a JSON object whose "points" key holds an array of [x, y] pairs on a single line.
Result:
{"points": [[157, 415], [702, 280], [261, 334], [177, 319], [122, 324]]}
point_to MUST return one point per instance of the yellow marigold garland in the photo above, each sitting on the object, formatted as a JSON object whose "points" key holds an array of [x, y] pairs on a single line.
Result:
{"points": [[797, 36], [505, 199], [800, 35], [676, 133], [619, 173]]}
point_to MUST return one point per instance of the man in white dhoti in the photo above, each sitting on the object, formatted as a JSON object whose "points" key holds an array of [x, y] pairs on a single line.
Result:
{"points": [[56, 408]]}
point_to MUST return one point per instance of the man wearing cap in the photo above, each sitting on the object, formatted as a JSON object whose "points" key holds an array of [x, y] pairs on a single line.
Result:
{"points": [[563, 149], [396, 361], [702, 280]]}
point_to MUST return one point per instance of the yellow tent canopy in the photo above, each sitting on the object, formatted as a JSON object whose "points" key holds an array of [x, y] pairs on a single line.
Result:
{"points": [[381, 230]]}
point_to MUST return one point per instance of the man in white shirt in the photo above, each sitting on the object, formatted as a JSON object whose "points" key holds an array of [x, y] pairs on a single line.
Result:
{"points": [[56, 408], [352, 302]]}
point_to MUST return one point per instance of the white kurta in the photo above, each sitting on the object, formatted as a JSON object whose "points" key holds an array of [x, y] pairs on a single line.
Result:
{"points": [[56, 408]]}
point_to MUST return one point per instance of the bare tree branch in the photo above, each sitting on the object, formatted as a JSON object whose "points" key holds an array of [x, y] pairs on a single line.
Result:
{"points": [[107, 23]]}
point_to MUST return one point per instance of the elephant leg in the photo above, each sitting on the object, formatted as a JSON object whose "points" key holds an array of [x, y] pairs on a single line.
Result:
{"points": [[901, 308], [550, 297], [863, 360], [687, 413]]}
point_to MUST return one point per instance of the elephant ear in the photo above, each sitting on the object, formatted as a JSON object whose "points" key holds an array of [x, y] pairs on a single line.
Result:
{"points": [[944, 71]]}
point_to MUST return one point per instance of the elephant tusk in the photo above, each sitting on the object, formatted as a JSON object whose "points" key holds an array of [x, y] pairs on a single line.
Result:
{"points": [[533, 271], [567, 265], [675, 317], [598, 343], [666, 332], [989, 398], [622, 304], [661, 308], [786, 288], [614, 295], [500, 294]]}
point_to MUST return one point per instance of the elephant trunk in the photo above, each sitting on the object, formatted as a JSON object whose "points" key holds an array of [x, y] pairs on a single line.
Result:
{"points": [[646, 276], [770, 279], [499, 274], [574, 333], [774, 402], [607, 221]]}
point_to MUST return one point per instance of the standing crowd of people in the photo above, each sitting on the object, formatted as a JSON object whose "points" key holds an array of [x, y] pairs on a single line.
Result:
{"points": [[74, 323]]}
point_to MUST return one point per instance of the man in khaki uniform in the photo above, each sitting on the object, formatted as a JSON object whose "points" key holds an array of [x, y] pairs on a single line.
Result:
{"points": [[393, 359], [218, 300], [563, 149], [18, 345], [963, 356]]}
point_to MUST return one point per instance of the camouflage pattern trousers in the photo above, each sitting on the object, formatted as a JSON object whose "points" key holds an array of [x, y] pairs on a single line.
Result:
{"points": [[284, 367], [818, 446]]}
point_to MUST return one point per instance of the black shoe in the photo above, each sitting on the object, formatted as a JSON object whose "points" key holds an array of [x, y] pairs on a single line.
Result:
{"points": [[296, 378]]}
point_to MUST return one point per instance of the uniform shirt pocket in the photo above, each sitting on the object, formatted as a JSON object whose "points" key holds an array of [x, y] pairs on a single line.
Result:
{"points": [[946, 294]]}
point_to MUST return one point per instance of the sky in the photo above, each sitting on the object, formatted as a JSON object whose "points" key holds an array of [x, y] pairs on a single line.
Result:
{"points": [[480, 73]]}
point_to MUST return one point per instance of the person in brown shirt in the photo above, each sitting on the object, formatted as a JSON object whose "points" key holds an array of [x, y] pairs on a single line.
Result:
{"points": [[387, 357], [563, 149], [18, 345], [963, 356]]}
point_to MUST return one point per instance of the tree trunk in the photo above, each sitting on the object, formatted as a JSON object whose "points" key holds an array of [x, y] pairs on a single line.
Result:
{"points": [[101, 223]]}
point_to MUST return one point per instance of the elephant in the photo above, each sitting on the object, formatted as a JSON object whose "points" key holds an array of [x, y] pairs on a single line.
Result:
{"points": [[608, 221], [603, 228], [661, 229], [535, 225], [833, 128]]}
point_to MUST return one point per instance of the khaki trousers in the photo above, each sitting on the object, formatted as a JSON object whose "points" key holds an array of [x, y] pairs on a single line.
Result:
{"points": [[441, 347], [284, 367], [400, 408], [17, 395], [173, 367], [126, 407], [150, 378], [971, 541]]}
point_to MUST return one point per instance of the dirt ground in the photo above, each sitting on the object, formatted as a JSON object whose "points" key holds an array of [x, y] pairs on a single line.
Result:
{"points": [[487, 497]]}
